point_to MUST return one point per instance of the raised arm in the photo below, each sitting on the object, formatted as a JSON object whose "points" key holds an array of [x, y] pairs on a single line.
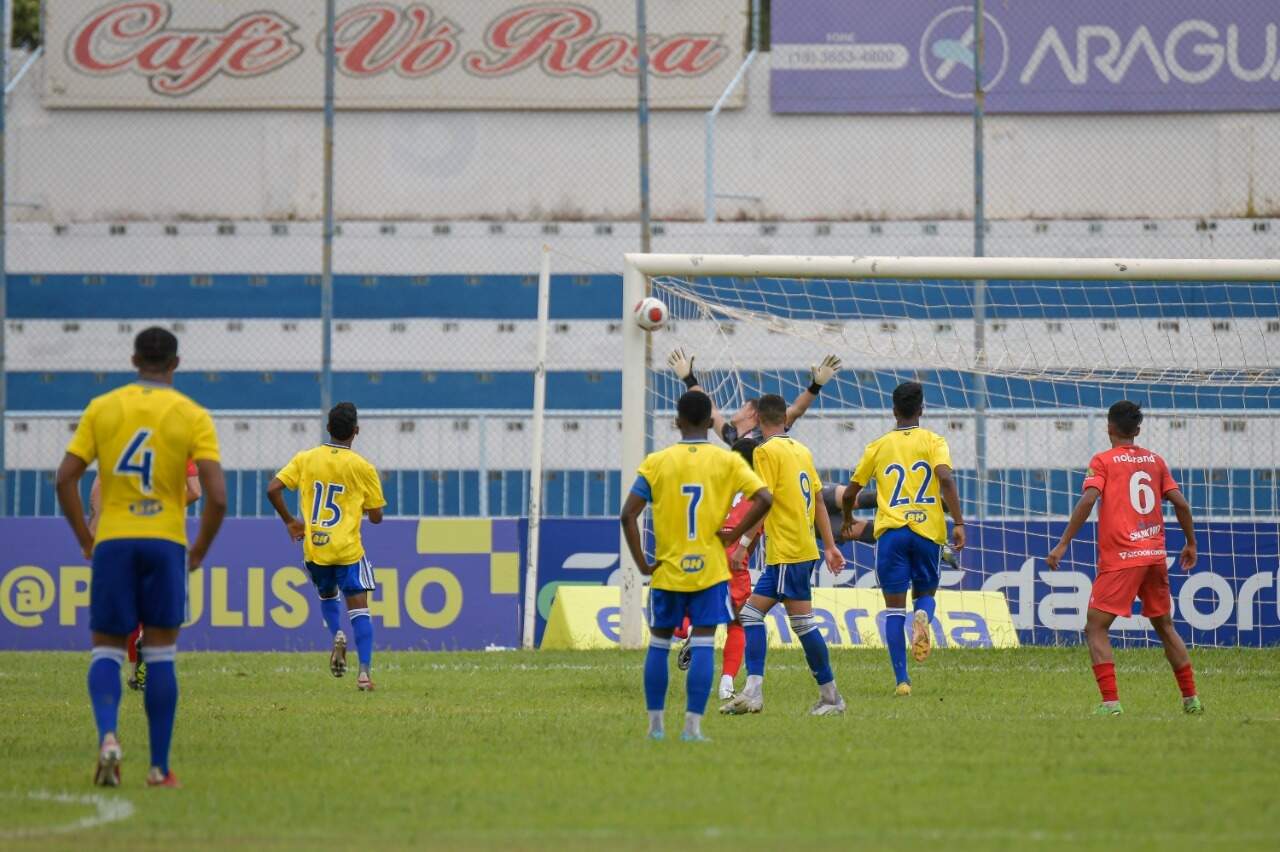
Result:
{"points": [[682, 365], [1182, 509], [951, 502], [1080, 514], [632, 508], [819, 375]]}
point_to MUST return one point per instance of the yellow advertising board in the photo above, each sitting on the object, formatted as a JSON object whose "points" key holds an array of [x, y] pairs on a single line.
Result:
{"points": [[587, 617]]}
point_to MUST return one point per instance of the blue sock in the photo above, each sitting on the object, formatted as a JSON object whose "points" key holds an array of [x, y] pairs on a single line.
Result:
{"points": [[161, 699], [896, 638], [656, 673], [702, 668], [753, 628], [332, 612], [815, 648], [928, 606], [362, 627], [104, 688]]}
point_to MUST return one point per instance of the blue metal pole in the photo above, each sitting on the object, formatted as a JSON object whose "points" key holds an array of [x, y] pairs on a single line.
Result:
{"points": [[642, 111], [4, 267], [326, 275], [979, 250]]}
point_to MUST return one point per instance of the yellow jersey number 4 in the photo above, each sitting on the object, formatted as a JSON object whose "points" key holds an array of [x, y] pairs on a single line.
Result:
{"points": [[136, 460]]}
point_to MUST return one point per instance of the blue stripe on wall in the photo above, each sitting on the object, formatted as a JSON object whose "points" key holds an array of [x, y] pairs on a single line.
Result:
{"points": [[598, 297], [30, 391], [298, 296]]}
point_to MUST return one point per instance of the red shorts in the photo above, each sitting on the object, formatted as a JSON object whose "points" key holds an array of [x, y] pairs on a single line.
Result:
{"points": [[1114, 591], [739, 587]]}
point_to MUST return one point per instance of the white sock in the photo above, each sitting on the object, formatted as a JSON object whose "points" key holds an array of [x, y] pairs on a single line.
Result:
{"points": [[693, 724], [755, 685], [829, 693], [655, 721], [726, 683]]}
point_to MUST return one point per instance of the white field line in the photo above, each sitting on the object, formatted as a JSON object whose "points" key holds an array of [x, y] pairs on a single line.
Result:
{"points": [[106, 809]]}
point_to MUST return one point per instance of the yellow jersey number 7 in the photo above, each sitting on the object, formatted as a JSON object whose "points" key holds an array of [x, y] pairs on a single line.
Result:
{"points": [[693, 494]]}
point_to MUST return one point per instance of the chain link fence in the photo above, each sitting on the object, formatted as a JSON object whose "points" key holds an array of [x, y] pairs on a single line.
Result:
{"points": [[164, 165]]}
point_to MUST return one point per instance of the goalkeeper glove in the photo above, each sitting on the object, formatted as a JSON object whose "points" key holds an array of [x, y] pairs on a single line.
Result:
{"points": [[682, 366], [823, 373]]}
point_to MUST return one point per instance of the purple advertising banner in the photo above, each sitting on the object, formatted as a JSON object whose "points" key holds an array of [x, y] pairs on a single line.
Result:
{"points": [[1042, 56], [443, 584]]}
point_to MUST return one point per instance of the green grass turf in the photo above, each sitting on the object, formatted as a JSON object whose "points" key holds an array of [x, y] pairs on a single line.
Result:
{"points": [[995, 750]]}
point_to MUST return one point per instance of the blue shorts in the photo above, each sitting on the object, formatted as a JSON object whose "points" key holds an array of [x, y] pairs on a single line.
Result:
{"points": [[787, 582], [905, 559], [354, 579], [706, 608], [137, 581]]}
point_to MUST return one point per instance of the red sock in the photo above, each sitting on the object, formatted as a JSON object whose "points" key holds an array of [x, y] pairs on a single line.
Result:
{"points": [[1105, 675], [133, 645], [682, 632], [1186, 680], [734, 645]]}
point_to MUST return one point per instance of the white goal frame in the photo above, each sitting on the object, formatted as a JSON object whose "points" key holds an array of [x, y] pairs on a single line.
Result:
{"points": [[637, 357]]}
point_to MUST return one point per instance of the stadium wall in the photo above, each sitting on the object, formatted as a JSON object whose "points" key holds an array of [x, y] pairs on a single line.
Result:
{"points": [[456, 585], [127, 165]]}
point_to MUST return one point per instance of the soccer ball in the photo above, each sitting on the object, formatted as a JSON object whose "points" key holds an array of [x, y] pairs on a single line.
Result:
{"points": [[650, 314]]}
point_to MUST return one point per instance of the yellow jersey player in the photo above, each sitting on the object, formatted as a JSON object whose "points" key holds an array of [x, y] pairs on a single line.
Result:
{"points": [[141, 436], [336, 488], [692, 486], [912, 469], [791, 554]]}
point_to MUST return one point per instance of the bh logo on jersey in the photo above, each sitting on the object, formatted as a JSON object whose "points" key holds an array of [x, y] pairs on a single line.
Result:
{"points": [[691, 564], [916, 516], [319, 539], [146, 508]]}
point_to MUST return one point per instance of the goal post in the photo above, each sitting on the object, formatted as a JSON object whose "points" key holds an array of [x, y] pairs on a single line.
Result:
{"points": [[1196, 340]]}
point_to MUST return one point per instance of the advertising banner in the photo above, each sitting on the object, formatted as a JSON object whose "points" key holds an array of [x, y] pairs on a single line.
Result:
{"points": [[401, 54], [1042, 56], [442, 585], [574, 552], [586, 618]]}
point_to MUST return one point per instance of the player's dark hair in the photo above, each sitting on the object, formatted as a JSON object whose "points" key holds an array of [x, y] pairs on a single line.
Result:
{"points": [[908, 399], [1126, 416], [771, 409], [694, 408], [746, 447], [753, 402], [342, 421], [155, 348]]}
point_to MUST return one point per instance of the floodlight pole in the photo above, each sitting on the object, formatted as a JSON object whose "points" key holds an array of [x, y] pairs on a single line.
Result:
{"points": [[979, 250], [326, 273], [642, 113]]}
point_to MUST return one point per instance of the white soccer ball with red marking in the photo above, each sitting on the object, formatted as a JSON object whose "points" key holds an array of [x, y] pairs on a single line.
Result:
{"points": [[650, 314]]}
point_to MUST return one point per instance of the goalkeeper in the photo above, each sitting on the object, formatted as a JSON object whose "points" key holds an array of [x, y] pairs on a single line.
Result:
{"points": [[745, 423]]}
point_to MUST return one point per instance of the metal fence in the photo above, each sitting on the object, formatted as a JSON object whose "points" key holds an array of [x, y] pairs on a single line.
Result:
{"points": [[146, 184]]}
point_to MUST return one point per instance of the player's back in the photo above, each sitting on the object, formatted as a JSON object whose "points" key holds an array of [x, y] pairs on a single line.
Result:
{"points": [[907, 491], [142, 436], [1133, 481], [335, 486], [786, 466], [692, 487]]}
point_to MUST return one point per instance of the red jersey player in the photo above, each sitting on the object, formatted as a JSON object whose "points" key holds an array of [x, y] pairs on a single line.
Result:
{"points": [[1131, 553]]}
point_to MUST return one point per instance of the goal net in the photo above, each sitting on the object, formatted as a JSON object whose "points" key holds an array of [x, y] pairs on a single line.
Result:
{"points": [[1020, 359]]}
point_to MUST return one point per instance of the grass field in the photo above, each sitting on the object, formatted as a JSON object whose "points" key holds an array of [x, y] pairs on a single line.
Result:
{"points": [[547, 751]]}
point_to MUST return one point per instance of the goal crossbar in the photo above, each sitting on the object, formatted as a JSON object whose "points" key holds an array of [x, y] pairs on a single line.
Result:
{"points": [[962, 268]]}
